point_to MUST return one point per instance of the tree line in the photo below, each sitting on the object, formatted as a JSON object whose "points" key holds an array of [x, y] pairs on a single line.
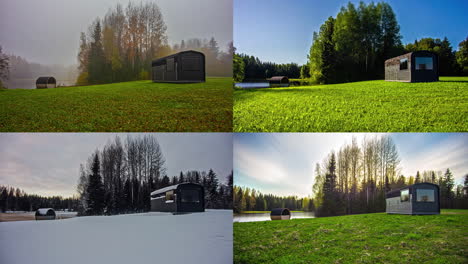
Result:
{"points": [[249, 199], [357, 177], [121, 46], [354, 45], [120, 177], [250, 68], [15, 199]]}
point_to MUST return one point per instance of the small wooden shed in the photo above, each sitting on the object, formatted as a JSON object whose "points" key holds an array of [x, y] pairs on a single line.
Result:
{"points": [[280, 214], [183, 67], [179, 198], [416, 199], [279, 81], [45, 214], [418, 66], [46, 82]]}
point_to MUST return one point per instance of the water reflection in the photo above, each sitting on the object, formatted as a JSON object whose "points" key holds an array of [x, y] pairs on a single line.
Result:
{"points": [[248, 85], [266, 216]]}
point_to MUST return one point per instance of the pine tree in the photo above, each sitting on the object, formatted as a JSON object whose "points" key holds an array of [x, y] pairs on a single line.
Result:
{"points": [[418, 178], [95, 189]]}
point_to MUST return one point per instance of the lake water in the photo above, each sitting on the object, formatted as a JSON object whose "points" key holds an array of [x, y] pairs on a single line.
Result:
{"points": [[248, 85], [266, 216]]}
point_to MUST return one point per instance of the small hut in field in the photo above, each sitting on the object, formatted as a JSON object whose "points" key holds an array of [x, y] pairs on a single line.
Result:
{"points": [[45, 214], [280, 214], [183, 67], [417, 66], [416, 199], [46, 82], [279, 81]]}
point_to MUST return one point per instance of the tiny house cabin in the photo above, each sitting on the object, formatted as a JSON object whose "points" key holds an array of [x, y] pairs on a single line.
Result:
{"points": [[280, 214], [416, 199], [418, 66], [279, 81], [183, 67], [46, 82], [45, 214], [179, 198]]}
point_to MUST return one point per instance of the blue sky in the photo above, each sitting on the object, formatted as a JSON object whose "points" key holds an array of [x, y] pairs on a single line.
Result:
{"points": [[48, 163], [281, 31], [284, 163]]}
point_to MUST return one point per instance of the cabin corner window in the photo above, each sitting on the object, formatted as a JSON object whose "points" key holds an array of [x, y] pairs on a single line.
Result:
{"points": [[424, 63], [190, 196], [404, 64], [170, 64], [404, 195], [425, 195], [170, 197]]}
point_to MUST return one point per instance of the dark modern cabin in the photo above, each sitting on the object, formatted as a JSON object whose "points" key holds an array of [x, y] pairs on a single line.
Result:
{"points": [[179, 198], [278, 81], [418, 66], [280, 214], [46, 82], [183, 67], [45, 214], [416, 199]]}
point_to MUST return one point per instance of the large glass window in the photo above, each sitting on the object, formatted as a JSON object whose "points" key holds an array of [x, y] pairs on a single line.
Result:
{"points": [[190, 196], [424, 63], [425, 195], [169, 196], [404, 195], [404, 64]]}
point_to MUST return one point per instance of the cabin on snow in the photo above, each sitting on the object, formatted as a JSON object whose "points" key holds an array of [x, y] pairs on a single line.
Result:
{"points": [[279, 81], [280, 214], [417, 66], [46, 82], [179, 198], [416, 199], [45, 214], [183, 67]]}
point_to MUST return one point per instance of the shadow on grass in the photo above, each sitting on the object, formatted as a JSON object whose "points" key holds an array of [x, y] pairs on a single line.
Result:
{"points": [[462, 81]]}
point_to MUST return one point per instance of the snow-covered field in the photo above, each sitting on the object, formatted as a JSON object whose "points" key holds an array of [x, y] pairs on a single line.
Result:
{"points": [[130, 239]]}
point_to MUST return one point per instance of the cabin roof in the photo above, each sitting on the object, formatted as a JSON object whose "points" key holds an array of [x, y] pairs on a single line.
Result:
{"points": [[43, 211], [406, 55], [172, 187], [175, 55], [45, 80], [277, 78], [280, 211]]}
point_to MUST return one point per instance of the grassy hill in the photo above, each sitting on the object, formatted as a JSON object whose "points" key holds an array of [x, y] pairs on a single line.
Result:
{"points": [[369, 106], [365, 238], [128, 106]]}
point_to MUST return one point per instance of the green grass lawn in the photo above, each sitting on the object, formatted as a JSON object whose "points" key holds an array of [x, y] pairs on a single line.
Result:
{"points": [[369, 106], [129, 106], [365, 238]]}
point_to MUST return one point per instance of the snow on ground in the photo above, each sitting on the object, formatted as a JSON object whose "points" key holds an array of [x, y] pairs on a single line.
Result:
{"points": [[138, 238]]}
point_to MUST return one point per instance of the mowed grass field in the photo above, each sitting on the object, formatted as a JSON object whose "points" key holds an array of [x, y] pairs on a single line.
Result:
{"points": [[369, 106], [366, 238], [128, 106]]}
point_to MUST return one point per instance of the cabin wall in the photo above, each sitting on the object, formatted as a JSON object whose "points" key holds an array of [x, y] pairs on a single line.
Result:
{"points": [[426, 207], [160, 205], [393, 72], [425, 75], [394, 205]]}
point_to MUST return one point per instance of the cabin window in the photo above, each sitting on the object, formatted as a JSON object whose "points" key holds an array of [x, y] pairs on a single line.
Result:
{"points": [[404, 64], [425, 195], [424, 63], [170, 65], [404, 195], [190, 196], [170, 197]]}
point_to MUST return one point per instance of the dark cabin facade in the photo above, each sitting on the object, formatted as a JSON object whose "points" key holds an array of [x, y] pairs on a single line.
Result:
{"points": [[279, 81], [45, 214], [179, 198], [418, 66], [46, 82], [280, 214], [416, 199], [183, 67]]}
